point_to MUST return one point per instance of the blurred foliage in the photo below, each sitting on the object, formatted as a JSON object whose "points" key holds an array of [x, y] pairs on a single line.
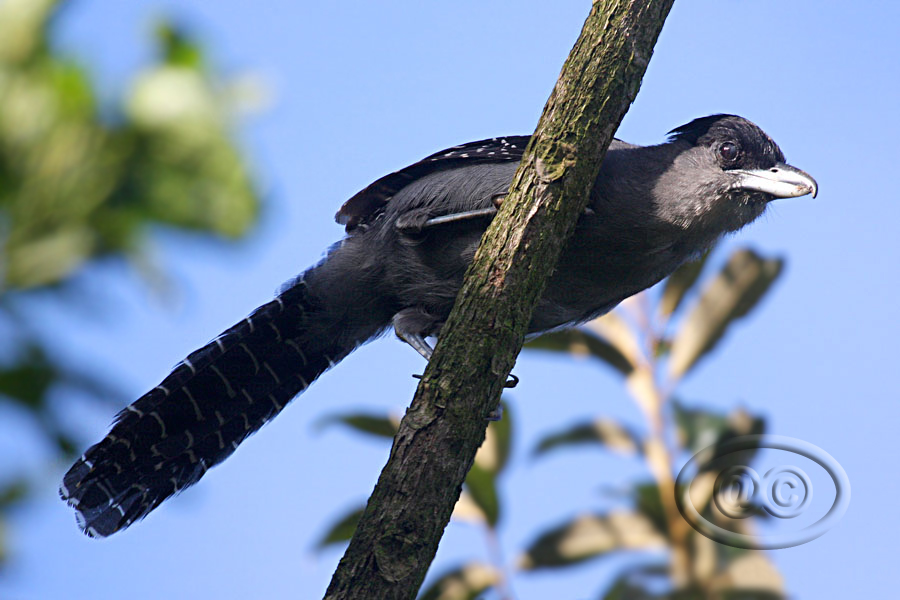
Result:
{"points": [[651, 341], [74, 187], [663, 337], [467, 582], [342, 529], [377, 425], [80, 182]]}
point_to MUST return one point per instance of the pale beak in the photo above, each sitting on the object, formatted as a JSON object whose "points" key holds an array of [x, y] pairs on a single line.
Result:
{"points": [[781, 181]]}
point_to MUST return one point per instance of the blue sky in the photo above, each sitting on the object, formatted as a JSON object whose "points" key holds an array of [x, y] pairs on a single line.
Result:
{"points": [[360, 89]]}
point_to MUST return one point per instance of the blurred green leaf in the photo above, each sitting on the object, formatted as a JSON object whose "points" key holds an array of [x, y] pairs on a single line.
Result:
{"points": [[726, 554], [589, 536], [583, 343], [707, 431], [648, 502], [66, 445], [342, 529], [623, 589], [177, 47], [747, 594], [377, 425], [734, 292], [494, 452], [482, 489], [740, 423], [462, 583], [481, 482], [619, 331], [629, 584], [637, 583], [603, 431], [751, 576], [14, 492], [678, 284], [11, 494], [28, 379], [697, 428]]}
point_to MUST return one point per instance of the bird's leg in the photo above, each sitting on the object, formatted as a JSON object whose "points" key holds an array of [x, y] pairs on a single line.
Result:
{"points": [[417, 341], [412, 325]]}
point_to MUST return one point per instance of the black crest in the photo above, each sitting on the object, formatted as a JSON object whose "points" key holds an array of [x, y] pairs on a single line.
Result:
{"points": [[758, 149], [696, 129]]}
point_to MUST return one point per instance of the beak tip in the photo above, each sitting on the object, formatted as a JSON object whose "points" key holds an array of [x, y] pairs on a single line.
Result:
{"points": [[812, 188]]}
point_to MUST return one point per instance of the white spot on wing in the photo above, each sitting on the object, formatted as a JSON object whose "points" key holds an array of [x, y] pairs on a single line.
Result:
{"points": [[296, 347], [271, 372], [161, 424], [228, 389], [190, 396], [252, 357], [189, 365], [275, 402]]}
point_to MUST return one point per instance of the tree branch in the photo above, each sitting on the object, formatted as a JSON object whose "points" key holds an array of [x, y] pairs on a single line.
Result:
{"points": [[398, 534]]}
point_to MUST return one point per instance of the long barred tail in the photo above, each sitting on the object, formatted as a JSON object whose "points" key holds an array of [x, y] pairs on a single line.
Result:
{"points": [[198, 415]]}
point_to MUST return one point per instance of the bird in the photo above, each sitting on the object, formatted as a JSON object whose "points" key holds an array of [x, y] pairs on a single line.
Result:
{"points": [[410, 236]]}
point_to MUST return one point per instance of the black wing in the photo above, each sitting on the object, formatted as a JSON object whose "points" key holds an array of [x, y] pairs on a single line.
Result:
{"points": [[370, 202]]}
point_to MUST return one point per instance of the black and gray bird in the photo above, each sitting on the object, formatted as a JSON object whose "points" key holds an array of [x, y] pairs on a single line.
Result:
{"points": [[410, 237]]}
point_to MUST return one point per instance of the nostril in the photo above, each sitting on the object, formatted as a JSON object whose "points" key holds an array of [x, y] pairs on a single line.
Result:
{"points": [[773, 170]]}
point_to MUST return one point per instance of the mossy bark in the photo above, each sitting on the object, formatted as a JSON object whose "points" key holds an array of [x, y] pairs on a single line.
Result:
{"points": [[398, 534]]}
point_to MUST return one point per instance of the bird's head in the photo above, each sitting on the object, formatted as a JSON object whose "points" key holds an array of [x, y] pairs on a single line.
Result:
{"points": [[724, 173]]}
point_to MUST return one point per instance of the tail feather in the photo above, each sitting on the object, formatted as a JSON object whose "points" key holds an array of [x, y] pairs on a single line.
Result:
{"points": [[200, 413]]}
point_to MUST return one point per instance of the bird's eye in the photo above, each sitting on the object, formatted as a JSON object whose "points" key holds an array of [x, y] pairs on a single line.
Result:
{"points": [[729, 152]]}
